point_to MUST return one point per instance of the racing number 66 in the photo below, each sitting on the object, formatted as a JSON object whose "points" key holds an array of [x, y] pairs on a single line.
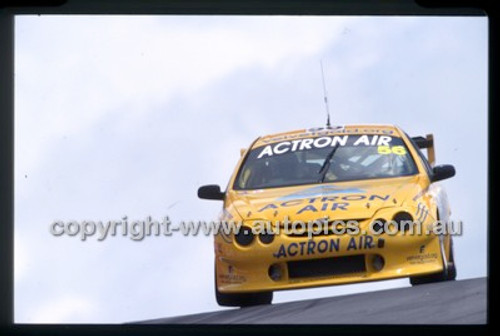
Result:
{"points": [[398, 150]]}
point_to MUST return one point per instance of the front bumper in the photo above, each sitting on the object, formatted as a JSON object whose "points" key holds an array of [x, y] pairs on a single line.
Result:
{"points": [[323, 260]]}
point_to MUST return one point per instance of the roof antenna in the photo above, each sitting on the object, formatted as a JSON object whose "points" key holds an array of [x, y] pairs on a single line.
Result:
{"points": [[325, 95]]}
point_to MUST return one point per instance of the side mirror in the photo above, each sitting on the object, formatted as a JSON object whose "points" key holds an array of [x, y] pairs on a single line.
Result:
{"points": [[211, 191], [442, 172]]}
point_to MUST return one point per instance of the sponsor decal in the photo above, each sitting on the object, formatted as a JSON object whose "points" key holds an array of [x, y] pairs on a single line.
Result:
{"points": [[322, 142], [232, 278], [422, 258], [318, 247], [324, 203], [422, 213], [327, 131]]}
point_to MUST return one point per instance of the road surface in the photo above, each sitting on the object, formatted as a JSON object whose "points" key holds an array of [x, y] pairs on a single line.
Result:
{"points": [[453, 302]]}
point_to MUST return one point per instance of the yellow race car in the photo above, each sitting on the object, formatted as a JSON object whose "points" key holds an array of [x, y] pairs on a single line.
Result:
{"points": [[328, 206]]}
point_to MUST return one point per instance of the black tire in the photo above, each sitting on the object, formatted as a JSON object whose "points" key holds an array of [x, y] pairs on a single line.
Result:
{"points": [[451, 275], [452, 269], [242, 299]]}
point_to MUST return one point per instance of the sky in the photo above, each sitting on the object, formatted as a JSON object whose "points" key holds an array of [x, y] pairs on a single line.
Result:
{"points": [[127, 116]]}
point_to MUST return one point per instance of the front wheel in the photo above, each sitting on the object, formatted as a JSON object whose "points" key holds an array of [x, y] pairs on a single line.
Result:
{"points": [[438, 277], [241, 299]]}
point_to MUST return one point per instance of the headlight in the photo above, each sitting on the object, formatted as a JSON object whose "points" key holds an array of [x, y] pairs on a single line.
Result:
{"points": [[245, 236], [403, 220], [266, 237]]}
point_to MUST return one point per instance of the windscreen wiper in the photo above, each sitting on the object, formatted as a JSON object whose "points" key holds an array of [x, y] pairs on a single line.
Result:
{"points": [[326, 164]]}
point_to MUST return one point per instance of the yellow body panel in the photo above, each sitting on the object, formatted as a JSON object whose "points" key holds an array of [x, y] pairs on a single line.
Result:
{"points": [[246, 269]]}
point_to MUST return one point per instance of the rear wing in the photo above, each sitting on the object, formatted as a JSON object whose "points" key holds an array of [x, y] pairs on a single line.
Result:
{"points": [[428, 143]]}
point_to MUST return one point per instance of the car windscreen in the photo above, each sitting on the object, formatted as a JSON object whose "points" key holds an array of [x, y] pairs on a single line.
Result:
{"points": [[324, 160]]}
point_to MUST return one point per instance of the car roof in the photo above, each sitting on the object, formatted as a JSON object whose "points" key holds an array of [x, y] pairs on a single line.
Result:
{"points": [[391, 130]]}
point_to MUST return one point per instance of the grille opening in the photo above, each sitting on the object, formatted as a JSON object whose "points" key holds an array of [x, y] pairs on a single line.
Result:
{"points": [[326, 266]]}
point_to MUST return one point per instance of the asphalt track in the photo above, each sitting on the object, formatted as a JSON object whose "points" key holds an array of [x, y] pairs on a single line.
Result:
{"points": [[453, 302]]}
